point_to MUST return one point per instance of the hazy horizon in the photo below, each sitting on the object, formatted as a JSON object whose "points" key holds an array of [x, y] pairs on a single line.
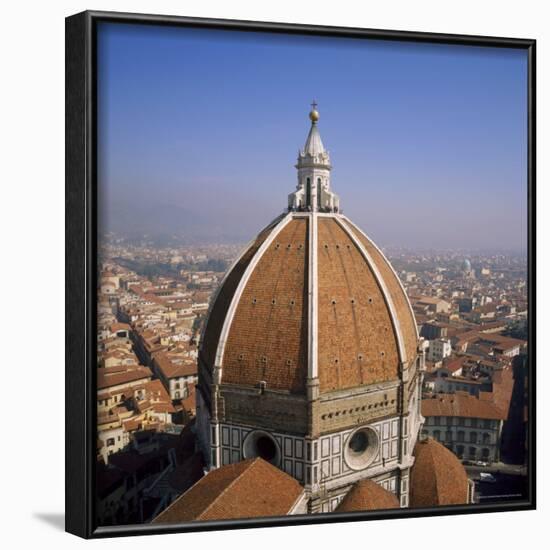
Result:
{"points": [[198, 133]]}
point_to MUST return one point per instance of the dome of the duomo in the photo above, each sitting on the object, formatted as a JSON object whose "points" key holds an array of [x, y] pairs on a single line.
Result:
{"points": [[310, 356], [437, 477], [301, 279], [311, 297], [367, 495]]}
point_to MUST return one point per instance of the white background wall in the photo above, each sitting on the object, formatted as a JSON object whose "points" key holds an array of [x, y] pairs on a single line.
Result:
{"points": [[32, 225]]}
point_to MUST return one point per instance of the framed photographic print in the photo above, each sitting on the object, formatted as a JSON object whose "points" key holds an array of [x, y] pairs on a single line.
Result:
{"points": [[300, 274]]}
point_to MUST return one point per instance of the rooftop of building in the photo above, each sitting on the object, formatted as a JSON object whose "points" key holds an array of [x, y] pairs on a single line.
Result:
{"points": [[115, 376], [250, 488], [437, 477], [462, 405], [367, 495]]}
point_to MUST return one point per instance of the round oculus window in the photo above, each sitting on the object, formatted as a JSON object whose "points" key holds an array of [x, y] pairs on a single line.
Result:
{"points": [[261, 444], [361, 448]]}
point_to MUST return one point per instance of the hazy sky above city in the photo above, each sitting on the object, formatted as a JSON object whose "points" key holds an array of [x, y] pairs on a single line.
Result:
{"points": [[198, 134]]}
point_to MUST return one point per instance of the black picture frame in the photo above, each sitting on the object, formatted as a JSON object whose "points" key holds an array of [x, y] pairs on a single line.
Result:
{"points": [[81, 267]]}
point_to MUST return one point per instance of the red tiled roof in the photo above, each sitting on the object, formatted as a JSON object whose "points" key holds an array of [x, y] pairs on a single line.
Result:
{"points": [[437, 476], [267, 336], [119, 326], [107, 377], [156, 398], [171, 369], [250, 488], [367, 495], [461, 404], [455, 363]]}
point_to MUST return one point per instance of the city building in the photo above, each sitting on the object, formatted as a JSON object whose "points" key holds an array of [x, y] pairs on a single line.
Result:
{"points": [[431, 305], [176, 373], [471, 425], [439, 349]]}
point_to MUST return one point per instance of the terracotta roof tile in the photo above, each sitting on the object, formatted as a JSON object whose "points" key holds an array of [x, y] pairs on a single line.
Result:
{"points": [[357, 343], [222, 302], [268, 336], [463, 405], [172, 369], [437, 476], [250, 488], [367, 495], [108, 377], [400, 300]]}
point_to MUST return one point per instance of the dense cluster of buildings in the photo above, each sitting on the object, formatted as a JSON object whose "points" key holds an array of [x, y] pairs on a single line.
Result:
{"points": [[148, 330], [472, 316]]}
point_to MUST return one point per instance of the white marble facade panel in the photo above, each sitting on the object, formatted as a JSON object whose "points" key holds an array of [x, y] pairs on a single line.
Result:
{"points": [[322, 461]]}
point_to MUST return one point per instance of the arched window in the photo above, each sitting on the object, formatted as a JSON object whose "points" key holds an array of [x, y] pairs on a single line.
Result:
{"points": [[319, 193], [472, 452], [308, 191], [473, 437], [486, 438], [460, 436]]}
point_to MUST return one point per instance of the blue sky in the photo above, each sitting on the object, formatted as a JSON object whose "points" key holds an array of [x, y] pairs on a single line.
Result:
{"points": [[199, 131]]}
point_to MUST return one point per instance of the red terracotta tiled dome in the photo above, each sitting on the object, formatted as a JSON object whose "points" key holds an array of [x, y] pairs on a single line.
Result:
{"points": [[311, 293], [437, 476], [367, 495]]}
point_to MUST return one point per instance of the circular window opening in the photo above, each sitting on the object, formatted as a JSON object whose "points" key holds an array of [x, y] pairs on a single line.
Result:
{"points": [[266, 448], [261, 444], [361, 448]]}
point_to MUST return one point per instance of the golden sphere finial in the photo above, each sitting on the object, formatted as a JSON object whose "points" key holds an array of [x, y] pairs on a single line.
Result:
{"points": [[314, 113]]}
